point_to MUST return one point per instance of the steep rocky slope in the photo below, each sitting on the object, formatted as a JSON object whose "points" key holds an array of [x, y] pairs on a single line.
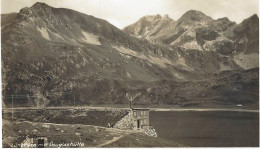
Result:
{"points": [[55, 56], [150, 27], [195, 30]]}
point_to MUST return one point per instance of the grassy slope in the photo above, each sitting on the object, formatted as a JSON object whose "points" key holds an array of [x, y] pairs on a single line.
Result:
{"points": [[142, 140], [92, 136]]}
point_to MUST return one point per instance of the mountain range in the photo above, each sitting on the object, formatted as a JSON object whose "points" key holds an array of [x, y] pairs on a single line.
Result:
{"points": [[54, 56]]}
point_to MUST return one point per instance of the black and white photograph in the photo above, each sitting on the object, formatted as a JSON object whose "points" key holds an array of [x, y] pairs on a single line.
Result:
{"points": [[129, 73]]}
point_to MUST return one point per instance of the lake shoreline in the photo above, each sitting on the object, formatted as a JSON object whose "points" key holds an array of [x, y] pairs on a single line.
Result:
{"points": [[101, 108], [204, 109]]}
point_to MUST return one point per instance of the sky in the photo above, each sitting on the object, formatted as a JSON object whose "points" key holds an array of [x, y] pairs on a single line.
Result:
{"points": [[125, 12]]}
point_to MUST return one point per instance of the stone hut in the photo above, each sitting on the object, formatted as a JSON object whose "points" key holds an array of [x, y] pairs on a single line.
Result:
{"points": [[136, 118], [140, 118]]}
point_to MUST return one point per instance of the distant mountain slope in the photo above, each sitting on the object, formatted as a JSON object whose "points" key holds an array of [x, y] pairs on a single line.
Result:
{"points": [[246, 34], [7, 19], [150, 27], [49, 54], [195, 30]]}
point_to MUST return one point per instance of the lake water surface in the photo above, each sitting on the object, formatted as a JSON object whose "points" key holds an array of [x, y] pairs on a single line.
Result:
{"points": [[208, 128]]}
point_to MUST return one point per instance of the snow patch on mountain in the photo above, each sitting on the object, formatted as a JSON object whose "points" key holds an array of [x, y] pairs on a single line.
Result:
{"points": [[191, 45], [182, 64], [155, 60], [159, 61], [179, 76], [44, 33], [90, 38]]}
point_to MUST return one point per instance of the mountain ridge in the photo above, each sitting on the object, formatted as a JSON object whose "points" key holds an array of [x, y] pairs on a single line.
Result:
{"points": [[47, 51], [188, 18]]}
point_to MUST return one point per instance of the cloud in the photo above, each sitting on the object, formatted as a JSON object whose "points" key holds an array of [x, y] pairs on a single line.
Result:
{"points": [[125, 12]]}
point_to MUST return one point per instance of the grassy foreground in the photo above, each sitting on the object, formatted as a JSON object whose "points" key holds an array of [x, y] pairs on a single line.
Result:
{"points": [[15, 132]]}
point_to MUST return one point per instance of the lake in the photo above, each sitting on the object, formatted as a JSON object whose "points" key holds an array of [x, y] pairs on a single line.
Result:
{"points": [[208, 128]]}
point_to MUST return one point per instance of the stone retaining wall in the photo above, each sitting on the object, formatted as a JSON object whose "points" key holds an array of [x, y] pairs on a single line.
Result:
{"points": [[64, 116], [126, 122]]}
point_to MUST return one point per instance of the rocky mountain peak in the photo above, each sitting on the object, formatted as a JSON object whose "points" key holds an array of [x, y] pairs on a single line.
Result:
{"points": [[166, 16], [224, 19], [38, 9], [40, 5], [158, 17], [148, 26], [52, 51], [254, 18], [151, 18], [195, 15], [249, 24]]}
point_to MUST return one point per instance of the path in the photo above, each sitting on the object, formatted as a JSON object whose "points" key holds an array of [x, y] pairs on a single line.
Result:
{"points": [[204, 109], [110, 141]]}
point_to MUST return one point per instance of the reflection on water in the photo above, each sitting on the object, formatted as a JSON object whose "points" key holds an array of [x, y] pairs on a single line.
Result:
{"points": [[208, 128]]}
